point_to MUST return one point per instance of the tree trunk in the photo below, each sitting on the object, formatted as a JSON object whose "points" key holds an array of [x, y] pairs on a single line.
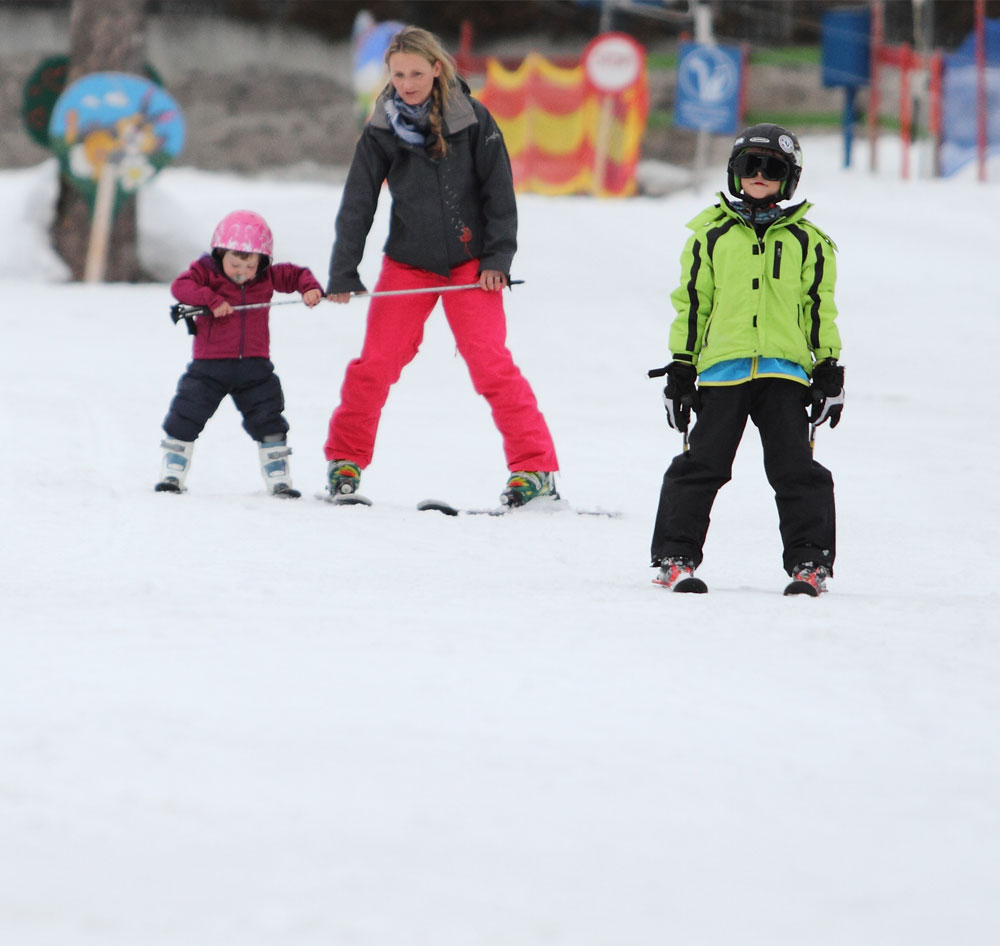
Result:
{"points": [[105, 36]]}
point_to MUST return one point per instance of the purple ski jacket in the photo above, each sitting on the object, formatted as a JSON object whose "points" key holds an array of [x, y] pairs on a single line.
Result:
{"points": [[243, 334]]}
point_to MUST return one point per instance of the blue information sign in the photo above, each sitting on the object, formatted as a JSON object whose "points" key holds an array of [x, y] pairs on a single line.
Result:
{"points": [[708, 88]]}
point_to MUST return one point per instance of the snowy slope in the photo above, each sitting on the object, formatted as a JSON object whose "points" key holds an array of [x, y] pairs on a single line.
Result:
{"points": [[225, 718]]}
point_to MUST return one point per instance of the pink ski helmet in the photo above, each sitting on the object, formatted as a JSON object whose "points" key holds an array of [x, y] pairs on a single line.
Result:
{"points": [[245, 231]]}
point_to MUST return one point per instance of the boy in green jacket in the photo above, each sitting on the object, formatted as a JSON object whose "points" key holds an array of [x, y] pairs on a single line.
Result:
{"points": [[755, 326]]}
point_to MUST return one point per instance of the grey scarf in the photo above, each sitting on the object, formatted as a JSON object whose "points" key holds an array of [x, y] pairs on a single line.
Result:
{"points": [[409, 122]]}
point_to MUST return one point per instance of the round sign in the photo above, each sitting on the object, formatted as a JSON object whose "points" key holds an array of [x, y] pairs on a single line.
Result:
{"points": [[613, 62], [115, 119]]}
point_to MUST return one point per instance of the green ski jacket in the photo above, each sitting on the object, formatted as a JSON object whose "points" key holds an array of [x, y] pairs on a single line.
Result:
{"points": [[744, 296]]}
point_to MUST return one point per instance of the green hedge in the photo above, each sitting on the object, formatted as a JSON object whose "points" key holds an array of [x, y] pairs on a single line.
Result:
{"points": [[783, 56], [795, 120]]}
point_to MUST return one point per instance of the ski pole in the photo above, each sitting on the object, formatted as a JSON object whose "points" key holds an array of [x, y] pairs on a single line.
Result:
{"points": [[812, 438], [178, 311], [413, 292], [687, 400]]}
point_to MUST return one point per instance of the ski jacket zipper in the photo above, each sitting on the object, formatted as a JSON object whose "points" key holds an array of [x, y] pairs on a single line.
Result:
{"points": [[243, 321]]}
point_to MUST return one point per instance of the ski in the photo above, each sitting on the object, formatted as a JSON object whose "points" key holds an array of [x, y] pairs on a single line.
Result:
{"points": [[801, 588], [559, 505], [437, 505]]}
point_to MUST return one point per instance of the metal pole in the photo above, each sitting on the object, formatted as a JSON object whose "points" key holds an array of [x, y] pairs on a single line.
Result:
{"points": [[183, 311], [702, 34], [414, 292], [981, 133], [874, 92], [923, 13]]}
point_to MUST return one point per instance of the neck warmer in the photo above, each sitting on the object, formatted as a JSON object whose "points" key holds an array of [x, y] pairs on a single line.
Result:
{"points": [[759, 216], [409, 122]]}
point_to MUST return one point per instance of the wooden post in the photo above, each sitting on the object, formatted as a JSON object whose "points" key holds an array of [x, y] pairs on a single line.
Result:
{"points": [[601, 145], [100, 225]]}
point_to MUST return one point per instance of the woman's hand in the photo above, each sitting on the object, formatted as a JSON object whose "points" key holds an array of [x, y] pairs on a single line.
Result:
{"points": [[491, 280], [340, 297]]}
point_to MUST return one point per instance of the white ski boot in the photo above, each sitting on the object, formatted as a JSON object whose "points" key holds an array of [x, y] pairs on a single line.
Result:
{"points": [[176, 463], [275, 469]]}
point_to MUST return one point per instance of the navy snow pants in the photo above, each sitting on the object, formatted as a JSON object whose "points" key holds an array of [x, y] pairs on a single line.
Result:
{"points": [[253, 385]]}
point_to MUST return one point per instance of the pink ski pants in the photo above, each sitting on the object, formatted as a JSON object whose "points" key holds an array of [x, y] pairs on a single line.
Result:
{"points": [[394, 332]]}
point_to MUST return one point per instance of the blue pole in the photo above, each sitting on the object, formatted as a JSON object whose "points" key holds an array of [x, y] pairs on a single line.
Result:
{"points": [[848, 122]]}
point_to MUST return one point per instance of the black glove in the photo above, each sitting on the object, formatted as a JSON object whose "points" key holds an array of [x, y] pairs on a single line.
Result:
{"points": [[826, 395], [680, 394]]}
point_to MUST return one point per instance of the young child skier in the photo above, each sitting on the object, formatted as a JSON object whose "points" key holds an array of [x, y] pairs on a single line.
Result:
{"points": [[755, 326], [232, 349]]}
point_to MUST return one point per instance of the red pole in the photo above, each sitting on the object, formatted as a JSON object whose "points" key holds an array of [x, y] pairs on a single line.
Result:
{"points": [[464, 58], [981, 86]]}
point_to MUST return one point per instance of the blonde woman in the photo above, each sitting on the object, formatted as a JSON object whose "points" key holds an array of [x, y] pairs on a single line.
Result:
{"points": [[453, 222]]}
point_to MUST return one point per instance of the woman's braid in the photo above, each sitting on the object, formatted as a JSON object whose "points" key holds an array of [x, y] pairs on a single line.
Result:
{"points": [[436, 147]]}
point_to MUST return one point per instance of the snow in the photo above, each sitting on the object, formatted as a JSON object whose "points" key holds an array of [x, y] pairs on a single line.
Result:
{"points": [[226, 718]]}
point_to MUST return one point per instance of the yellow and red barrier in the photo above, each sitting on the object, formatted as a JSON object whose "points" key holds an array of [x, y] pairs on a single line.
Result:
{"points": [[563, 133]]}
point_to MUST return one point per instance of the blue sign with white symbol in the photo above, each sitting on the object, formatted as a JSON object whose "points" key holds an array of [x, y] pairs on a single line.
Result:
{"points": [[708, 87], [960, 132]]}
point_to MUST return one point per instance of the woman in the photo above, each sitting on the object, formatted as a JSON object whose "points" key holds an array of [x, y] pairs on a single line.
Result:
{"points": [[453, 222]]}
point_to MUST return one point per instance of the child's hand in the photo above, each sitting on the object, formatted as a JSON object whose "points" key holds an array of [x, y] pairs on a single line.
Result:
{"points": [[222, 310], [312, 297]]}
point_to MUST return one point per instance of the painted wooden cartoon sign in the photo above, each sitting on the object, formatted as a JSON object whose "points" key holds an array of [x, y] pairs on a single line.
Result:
{"points": [[112, 132], [119, 121]]}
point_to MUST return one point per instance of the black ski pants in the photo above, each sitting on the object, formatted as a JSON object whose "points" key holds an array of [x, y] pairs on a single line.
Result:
{"points": [[803, 489], [255, 389]]}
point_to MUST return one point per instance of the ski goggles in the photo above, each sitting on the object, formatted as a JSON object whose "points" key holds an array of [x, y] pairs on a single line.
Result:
{"points": [[772, 166]]}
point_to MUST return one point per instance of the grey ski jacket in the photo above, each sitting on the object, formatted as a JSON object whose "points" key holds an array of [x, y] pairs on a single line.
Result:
{"points": [[444, 211]]}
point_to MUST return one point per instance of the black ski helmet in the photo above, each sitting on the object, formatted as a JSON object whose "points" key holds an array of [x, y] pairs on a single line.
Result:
{"points": [[767, 137]]}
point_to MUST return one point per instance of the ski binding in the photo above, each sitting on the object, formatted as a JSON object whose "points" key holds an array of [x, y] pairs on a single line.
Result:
{"points": [[345, 499]]}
